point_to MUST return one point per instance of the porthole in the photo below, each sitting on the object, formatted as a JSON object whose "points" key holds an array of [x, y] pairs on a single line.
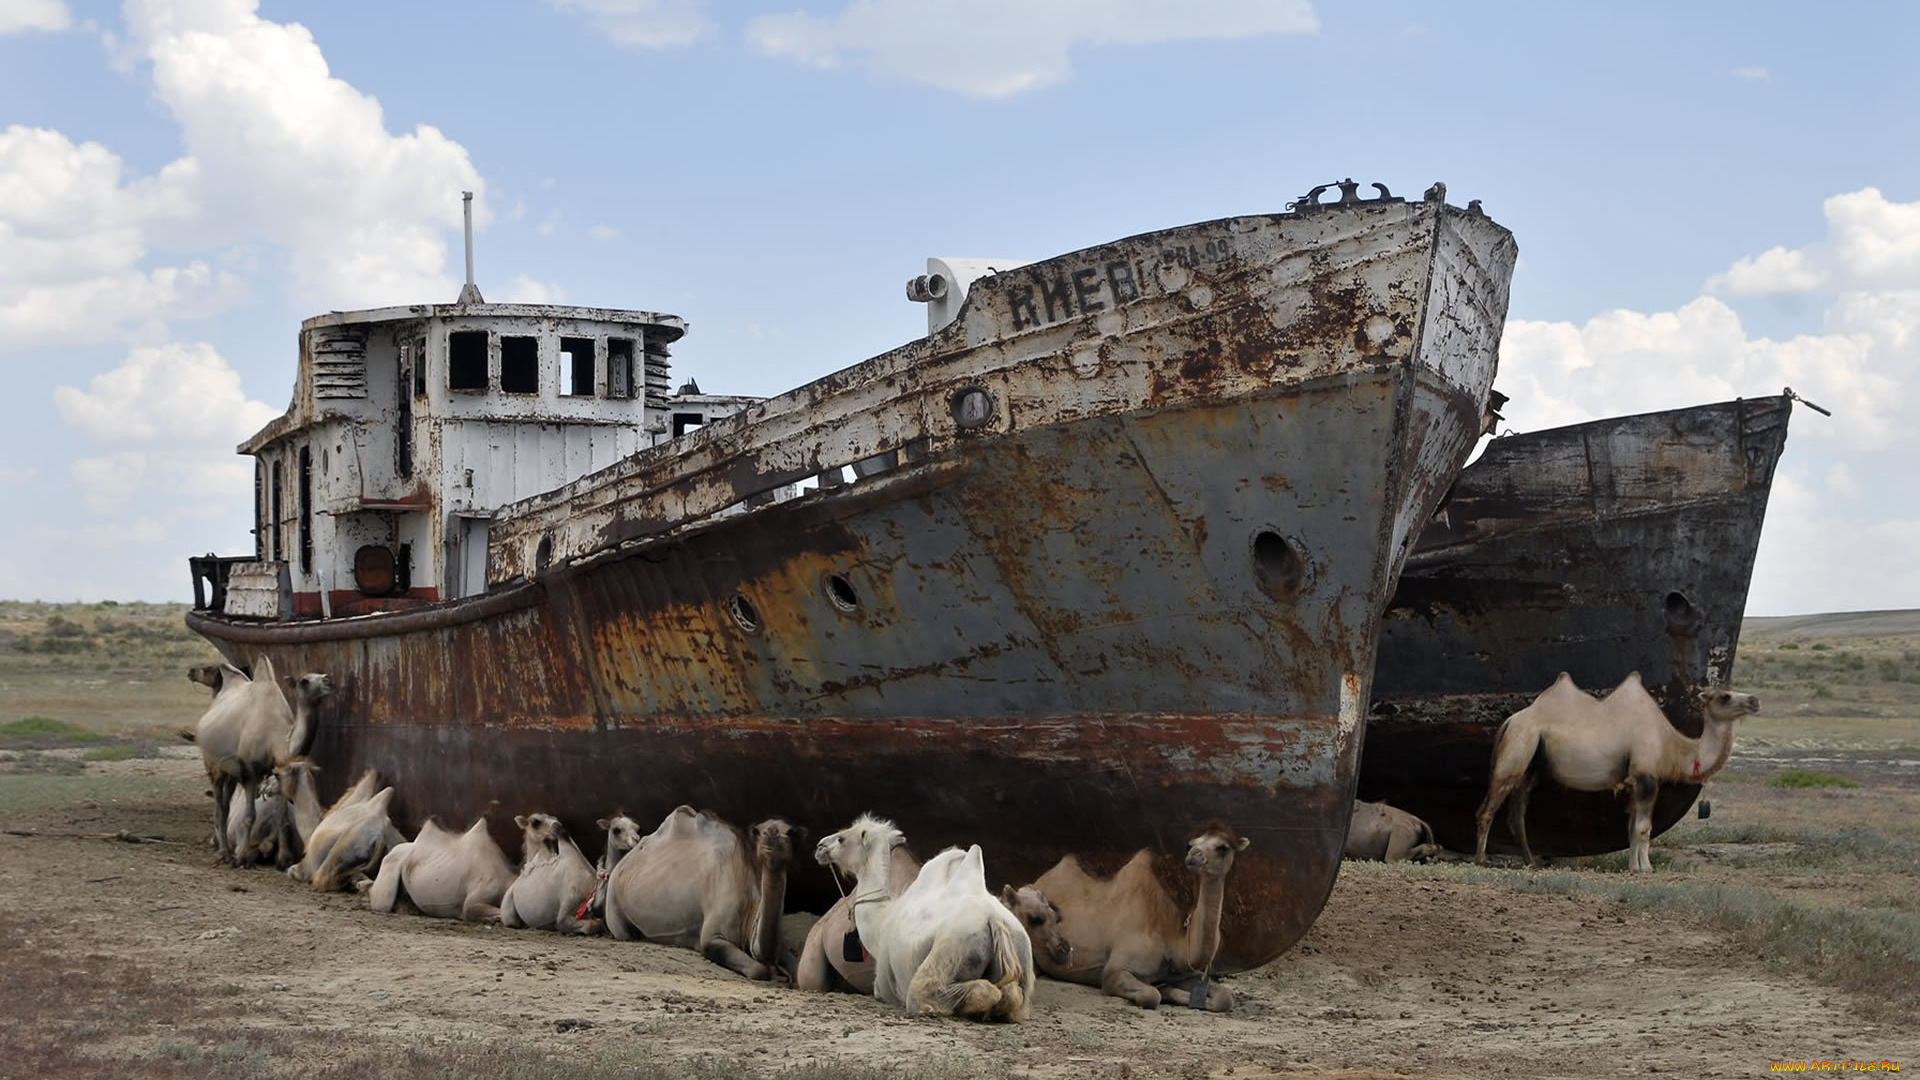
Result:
{"points": [[972, 408], [744, 613], [543, 555], [841, 592], [1277, 565]]}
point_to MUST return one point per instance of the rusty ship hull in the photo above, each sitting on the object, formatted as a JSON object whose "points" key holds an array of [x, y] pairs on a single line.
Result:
{"points": [[1624, 544], [1111, 563]]}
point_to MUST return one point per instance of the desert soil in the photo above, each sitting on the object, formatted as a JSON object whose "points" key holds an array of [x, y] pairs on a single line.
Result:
{"points": [[1406, 973]]}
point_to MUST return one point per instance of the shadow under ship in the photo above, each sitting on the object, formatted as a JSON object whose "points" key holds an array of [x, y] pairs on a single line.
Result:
{"points": [[1597, 549], [1103, 558]]}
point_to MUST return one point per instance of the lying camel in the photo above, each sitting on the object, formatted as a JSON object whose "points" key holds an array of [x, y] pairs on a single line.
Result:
{"points": [[555, 880], [272, 836], [1041, 919], [446, 875], [945, 945], [1619, 742], [1130, 939], [352, 838], [623, 835], [833, 958], [700, 883], [1387, 834], [244, 735]]}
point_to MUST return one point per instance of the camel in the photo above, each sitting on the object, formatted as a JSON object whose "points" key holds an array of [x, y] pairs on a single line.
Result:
{"points": [[945, 946], [217, 677], [354, 836], [1387, 834], [1621, 742], [623, 835], [833, 958], [244, 735], [1041, 919], [1128, 935], [447, 875], [700, 883], [555, 880], [272, 835]]}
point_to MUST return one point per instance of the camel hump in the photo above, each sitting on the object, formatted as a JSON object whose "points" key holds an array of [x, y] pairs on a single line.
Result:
{"points": [[263, 669]]}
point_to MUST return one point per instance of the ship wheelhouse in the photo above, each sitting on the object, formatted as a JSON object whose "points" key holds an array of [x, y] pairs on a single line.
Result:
{"points": [[411, 426]]}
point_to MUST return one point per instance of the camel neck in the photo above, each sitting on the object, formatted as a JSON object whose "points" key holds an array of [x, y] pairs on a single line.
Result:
{"points": [[772, 904], [1203, 926], [306, 811], [1713, 747], [298, 738]]}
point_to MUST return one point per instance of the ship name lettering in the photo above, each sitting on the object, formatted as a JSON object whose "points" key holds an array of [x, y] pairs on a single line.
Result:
{"points": [[1193, 255], [1063, 295]]}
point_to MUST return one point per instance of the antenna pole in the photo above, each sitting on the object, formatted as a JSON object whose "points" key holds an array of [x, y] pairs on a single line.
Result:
{"points": [[469, 293]]}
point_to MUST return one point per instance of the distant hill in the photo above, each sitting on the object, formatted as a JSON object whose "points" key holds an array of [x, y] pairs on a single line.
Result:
{"points": [[1837, 624]]}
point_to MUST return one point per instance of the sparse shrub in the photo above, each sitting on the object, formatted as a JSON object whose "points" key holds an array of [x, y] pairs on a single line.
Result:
{"points": [[43, 725], [1821, 689], [1807, 778], [1821, 646], [62, 627], [33, 761]]}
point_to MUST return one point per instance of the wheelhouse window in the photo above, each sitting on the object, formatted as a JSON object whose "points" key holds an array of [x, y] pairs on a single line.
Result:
{"points": [[620, 368], [519, 365], [576, 366], [273, 503], [306, 509], [684, 422], [420, 367], [467, 360]]}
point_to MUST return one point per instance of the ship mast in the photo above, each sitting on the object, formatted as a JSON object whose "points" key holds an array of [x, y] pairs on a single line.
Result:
{"points": [[469, 293]]}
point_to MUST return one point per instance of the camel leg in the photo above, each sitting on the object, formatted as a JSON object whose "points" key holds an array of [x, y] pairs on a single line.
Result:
{"points": [[509, 916], [1119, 982], [1640, 839], [617, 924], [1219, 998], [479, 913], [385, 893], [813, 972], [734, 958], [222, 796], [1399, 845], [245, 857], [1517, 815]]}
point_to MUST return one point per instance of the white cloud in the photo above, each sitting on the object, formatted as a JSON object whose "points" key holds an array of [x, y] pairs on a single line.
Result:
{"points": [[17, 16], [18, 474], [993, 48], [277, 150], [1815, 557], [644, 24], [173, 414], [1752, 74], [525, 290], [1871, 244], [603, 232]]}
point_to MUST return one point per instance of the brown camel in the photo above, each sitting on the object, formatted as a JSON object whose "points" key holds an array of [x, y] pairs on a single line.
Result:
{"points": [[1619, 742], [700, 883], [1129, 937], [1388, 834]]}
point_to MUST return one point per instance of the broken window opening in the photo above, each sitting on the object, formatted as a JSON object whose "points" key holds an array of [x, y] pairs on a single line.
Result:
{"points": [[519, 365], [420, 367], [684, 422], [577, 367], [467, 360], [619, 367], [273, 512], [259, 509], [410, 363], [306, 509]]}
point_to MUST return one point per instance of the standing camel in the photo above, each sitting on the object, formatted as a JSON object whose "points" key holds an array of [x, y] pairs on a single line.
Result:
{"points": [[1131, 940], [245, 735], [1619, 742]]}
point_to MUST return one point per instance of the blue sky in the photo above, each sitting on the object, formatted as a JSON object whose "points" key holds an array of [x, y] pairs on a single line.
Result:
{"points": [[1710, 200]]}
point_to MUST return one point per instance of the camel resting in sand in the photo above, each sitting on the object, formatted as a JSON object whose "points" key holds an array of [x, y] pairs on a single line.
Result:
{"points": [[833, 957], [701, 883], [351, 839], [623, 835], [555, 880], [944, 946], [1388, 834], [447, 875], [1131, 940], [1621, 742]]}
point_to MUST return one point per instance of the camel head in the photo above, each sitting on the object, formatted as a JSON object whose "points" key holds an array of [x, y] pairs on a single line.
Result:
{"points": [[310, 688], [1719, 703], [774, 840], [540, 831], [848, 850], [207, 675], [1042, 920], [623, 835], [1210, 853]]}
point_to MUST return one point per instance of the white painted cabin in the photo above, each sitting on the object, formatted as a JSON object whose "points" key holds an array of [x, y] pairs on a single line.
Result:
{"points": [[411, 426]]}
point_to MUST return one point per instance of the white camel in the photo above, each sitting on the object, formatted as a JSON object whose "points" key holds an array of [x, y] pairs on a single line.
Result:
{"points": [[701, 883], [832, 956], [351, 839], [447, 875], [555, 880], [1622, 741], [945, 945], [623, 835], [246, 733]]}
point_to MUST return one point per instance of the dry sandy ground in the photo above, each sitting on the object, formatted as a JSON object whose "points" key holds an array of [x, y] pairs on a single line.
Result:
{"points": [[1402, 975]]}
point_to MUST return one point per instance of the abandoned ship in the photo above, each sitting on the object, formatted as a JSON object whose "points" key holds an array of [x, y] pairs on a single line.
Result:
{"points": [[1101, 557], [1624, 544]]}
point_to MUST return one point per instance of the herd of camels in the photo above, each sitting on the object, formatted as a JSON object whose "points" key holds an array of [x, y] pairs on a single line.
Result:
{"points": [[930, 938]]}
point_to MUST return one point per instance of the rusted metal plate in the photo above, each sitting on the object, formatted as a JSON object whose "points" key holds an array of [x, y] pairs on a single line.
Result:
{"points": [[1143, 592], [1621, 545], [259, 590]]}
